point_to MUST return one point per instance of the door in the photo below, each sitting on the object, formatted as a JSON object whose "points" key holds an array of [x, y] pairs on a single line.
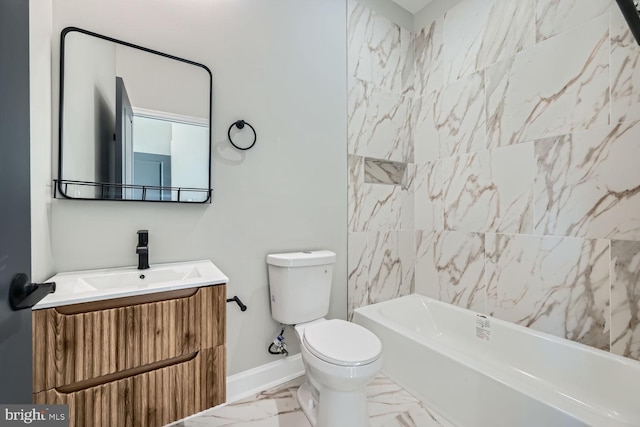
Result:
{"points": [[15, 215], [154, 170], [124, 141]]}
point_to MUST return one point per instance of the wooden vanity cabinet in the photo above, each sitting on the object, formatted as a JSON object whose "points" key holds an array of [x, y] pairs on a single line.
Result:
{"points": [[137, 361]]}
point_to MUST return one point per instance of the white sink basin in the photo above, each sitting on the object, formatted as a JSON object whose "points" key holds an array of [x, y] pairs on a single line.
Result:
{"points": [[142, 277], [93, 285]]}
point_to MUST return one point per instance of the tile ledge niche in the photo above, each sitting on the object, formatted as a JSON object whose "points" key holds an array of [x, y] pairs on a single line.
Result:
{"points": [[378, 171]]}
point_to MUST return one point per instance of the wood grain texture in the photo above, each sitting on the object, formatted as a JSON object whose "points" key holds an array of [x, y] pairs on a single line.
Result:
{"points": [[93, 382], [151, 399], [72, 350], [125, 301], [69, 348]]}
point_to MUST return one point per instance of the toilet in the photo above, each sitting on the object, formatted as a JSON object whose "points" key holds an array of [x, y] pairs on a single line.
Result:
{"points": [[340, 357]]}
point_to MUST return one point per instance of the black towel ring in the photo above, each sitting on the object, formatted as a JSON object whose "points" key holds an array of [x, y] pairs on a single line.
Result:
{"points": [[240, 124]]}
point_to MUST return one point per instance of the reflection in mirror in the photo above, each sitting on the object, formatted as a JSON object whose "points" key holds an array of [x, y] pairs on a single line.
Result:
{"points": [[134, 123]]}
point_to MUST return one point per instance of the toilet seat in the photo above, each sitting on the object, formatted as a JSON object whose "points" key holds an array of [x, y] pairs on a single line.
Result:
{"points": [[342, 343]]}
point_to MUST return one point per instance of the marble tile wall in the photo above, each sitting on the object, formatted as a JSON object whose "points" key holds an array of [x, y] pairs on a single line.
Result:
{"points": [[521, 131], [380, 127]]}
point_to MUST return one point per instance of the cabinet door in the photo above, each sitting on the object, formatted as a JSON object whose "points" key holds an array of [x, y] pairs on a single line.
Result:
{"points": [[84, 341], [153, 398]]}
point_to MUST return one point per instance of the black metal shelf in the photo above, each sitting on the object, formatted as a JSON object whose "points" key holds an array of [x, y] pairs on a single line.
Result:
{"points": [[115, 191]]}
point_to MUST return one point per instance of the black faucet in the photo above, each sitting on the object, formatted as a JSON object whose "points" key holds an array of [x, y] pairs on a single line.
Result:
{"points": [[143, 249]]}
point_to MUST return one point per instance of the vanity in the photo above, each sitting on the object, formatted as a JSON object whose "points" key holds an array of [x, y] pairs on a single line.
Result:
{"points": [[132, 347]]}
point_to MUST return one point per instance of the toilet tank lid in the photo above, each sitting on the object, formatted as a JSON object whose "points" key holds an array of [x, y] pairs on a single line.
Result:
{"points": [[302, 259]]}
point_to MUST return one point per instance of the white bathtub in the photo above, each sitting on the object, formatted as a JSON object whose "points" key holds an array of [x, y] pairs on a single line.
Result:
{"points": [[500, 374]]}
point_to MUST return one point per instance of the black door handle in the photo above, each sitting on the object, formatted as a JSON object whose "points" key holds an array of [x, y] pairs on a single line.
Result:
{"points": [[24, 294]]}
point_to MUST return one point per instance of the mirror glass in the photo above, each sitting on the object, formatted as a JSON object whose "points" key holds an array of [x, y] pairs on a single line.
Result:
{"points": [[134, 123]]}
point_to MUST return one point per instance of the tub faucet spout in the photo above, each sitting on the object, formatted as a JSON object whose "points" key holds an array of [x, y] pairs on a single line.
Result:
{"points": [[143, 249]]}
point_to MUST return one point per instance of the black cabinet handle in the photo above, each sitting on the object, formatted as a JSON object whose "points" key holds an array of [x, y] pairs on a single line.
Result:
{"points": [[24, 294]]}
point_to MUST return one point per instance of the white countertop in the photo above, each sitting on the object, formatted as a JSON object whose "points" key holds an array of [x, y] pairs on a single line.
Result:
{"points": [[95, 285]]}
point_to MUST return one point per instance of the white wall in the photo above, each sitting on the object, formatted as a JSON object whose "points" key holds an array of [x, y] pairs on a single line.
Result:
{"points": [[391, 11], [184, 86], [431, 12], [279, 64], [188, 148], [152, 136], [40, 39]]}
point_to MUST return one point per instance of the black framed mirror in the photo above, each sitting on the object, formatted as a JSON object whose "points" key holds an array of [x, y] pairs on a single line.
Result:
{"points": [[135, 123]]}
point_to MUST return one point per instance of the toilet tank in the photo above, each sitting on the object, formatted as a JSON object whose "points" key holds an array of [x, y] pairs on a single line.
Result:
{"points": [[300, 285]]}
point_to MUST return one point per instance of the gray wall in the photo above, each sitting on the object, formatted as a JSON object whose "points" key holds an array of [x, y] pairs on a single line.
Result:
{"points": [[15, 327], [277, 64]]}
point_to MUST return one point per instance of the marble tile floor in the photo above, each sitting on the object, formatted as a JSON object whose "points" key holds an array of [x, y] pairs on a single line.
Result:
{"points": [[389, 406]]}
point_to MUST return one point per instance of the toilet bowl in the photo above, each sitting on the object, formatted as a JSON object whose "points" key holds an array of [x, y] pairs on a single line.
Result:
{"points": [[340, 359]]}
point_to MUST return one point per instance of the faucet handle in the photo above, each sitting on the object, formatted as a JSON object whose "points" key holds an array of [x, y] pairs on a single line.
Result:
{"points": [[143, 237]]}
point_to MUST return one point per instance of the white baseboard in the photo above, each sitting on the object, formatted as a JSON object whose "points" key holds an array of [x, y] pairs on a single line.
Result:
{"points": [[252, 381]]}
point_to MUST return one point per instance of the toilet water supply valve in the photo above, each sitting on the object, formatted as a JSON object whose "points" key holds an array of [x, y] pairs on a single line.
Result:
{"points": [[279, 344]]}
